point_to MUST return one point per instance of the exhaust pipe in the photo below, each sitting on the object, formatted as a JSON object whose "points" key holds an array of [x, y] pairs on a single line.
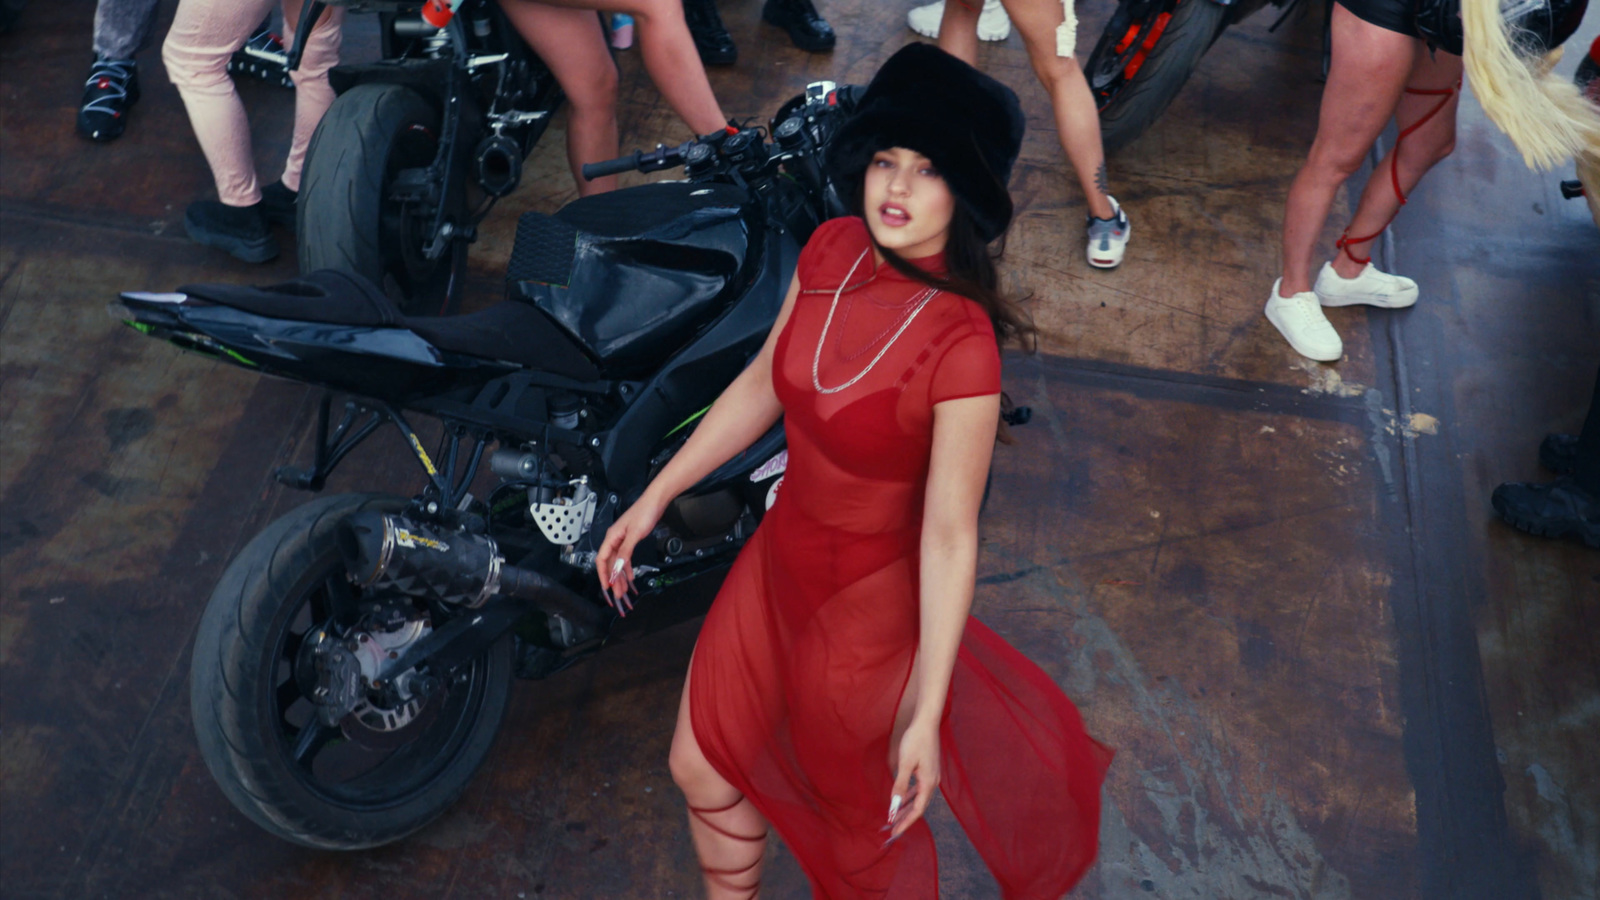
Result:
{"points": [[498, 160], [390, 552]]}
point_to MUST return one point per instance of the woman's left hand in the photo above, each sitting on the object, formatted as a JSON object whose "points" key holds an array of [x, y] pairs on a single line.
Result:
{"points": [[916, 776]]}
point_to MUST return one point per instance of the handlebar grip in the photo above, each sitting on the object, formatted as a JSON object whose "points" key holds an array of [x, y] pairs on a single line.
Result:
{"points": [[617, 166]]}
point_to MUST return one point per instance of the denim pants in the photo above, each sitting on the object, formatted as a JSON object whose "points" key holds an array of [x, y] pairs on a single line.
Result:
{"points": [[122, 27]]}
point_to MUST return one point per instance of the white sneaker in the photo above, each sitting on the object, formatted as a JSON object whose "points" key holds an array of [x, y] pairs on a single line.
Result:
{"points": [[1108, 238], [1371, 288], [993, 23], [1301, 322]]}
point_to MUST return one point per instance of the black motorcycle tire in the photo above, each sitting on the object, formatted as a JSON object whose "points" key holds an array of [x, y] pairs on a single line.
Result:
{"points": [[346, 217], [1195, 24], [234, 708]]}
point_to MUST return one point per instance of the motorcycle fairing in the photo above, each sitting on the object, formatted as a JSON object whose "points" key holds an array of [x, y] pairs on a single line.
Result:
{"points": [[393, 364], [696, 376], [631, 275]]}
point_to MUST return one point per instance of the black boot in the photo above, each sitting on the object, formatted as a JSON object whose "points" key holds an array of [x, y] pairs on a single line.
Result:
{"points": [[278, 205], [1559, 452], [805, 25], [112, 88], [1555, 509], [711, 37], [240, 230]]}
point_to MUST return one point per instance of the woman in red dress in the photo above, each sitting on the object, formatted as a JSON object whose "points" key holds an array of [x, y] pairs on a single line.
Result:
{"points": [[839, 680]]}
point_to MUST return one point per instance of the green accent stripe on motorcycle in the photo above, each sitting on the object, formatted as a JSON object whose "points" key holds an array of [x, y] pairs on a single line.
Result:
{"points": [[139, 326], [686, 422], [237, 358]]}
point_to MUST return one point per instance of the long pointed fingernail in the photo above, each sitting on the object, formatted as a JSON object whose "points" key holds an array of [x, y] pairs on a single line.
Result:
{"points": [[894, 806]]}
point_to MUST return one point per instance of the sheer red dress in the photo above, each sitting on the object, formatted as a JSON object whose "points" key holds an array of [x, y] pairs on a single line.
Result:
{"points": [[803, 658]]}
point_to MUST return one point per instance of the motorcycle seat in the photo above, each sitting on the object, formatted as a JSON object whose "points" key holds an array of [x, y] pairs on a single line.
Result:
{"points": [[509, 331], [632, 275]]}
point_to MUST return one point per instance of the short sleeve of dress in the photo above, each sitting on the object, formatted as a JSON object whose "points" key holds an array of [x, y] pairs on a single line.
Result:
{"points": [[970, 366], [820, 257]]}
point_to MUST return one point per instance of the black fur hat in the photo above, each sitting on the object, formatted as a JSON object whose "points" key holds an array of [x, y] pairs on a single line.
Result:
{"points": [[926, 100]]}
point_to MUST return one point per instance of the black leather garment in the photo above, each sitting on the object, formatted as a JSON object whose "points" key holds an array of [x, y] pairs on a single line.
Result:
{"points": [[800, 19], [711, 37]]}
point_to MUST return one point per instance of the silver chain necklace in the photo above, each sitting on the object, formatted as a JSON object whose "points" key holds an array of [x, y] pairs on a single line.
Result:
{"points": [[816, 358]]}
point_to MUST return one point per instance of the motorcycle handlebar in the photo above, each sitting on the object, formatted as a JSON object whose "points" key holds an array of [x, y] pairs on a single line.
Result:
{"points": [[617, 166]]}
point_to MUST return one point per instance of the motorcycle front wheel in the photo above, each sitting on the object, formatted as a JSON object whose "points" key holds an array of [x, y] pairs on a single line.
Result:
{"points": [[1146, 54], [342, 788], [351, 216]]}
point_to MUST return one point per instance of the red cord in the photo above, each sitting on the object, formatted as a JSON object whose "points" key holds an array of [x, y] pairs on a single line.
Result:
{"points": [[1345, 240]]}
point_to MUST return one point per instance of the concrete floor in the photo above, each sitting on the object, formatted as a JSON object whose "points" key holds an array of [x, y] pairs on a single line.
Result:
{"points": [[1274, 586]]}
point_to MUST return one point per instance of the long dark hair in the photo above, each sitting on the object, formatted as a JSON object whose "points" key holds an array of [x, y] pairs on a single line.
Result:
{"points": [[970, 271]]}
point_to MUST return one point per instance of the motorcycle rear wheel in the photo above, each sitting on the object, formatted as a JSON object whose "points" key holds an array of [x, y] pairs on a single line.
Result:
{"points": [[349, 218], [344, 788], [1135, 78]]}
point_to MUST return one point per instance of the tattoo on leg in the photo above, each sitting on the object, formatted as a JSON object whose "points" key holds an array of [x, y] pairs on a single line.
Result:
{"points": [[1100, 179]]}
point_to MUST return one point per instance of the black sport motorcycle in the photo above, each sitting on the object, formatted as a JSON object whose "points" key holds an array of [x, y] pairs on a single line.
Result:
{"points": [[353, 664], [1148, 50], [418, 146]]}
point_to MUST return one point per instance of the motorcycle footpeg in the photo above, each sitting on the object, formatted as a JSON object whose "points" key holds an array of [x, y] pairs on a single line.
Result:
{"points": [[297, 478]]}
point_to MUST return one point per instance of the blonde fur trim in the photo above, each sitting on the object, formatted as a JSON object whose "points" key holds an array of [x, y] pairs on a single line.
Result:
{"points": [[1067, 31], [1545, 116]]}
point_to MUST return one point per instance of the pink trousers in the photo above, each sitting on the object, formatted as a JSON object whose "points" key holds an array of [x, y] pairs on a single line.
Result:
{"points": [[204, 36]]}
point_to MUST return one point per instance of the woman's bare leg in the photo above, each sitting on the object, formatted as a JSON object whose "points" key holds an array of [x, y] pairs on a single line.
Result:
{"points": [[1077, 119], [1424, 148], [572, 44], [729, 834], [958, 30], [669, 56], [1365, 80]]}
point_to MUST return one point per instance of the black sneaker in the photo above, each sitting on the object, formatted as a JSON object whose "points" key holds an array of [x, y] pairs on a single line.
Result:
{"points": [[112, 88], [263, 56], [1559, 452], [805, 25], [278, 205], [1554, 509], [711, 37], [240, 230]]}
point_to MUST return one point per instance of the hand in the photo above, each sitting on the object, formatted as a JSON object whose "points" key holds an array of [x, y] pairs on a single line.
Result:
{"points": [[614, 563], [916, 776]]}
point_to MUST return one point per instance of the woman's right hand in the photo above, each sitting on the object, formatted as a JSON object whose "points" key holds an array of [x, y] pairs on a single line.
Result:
{"points": [[614, 563]]}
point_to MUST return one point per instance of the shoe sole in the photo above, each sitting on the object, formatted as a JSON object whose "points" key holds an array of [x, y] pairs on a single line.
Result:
{"points": [[1541, 527], [257, 251], [1299, 349], [991, 34], [1336, 302]]}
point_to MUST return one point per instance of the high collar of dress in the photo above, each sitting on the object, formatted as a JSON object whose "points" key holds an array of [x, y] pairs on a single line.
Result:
{"points": [[883, 272]]}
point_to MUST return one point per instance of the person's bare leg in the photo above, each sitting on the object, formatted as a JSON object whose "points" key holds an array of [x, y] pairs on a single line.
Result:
{"points": [[572, 44], [1365, 80], [1077, 119], [1424, 148], [729, 834], [958, 30], [669, 56]]}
